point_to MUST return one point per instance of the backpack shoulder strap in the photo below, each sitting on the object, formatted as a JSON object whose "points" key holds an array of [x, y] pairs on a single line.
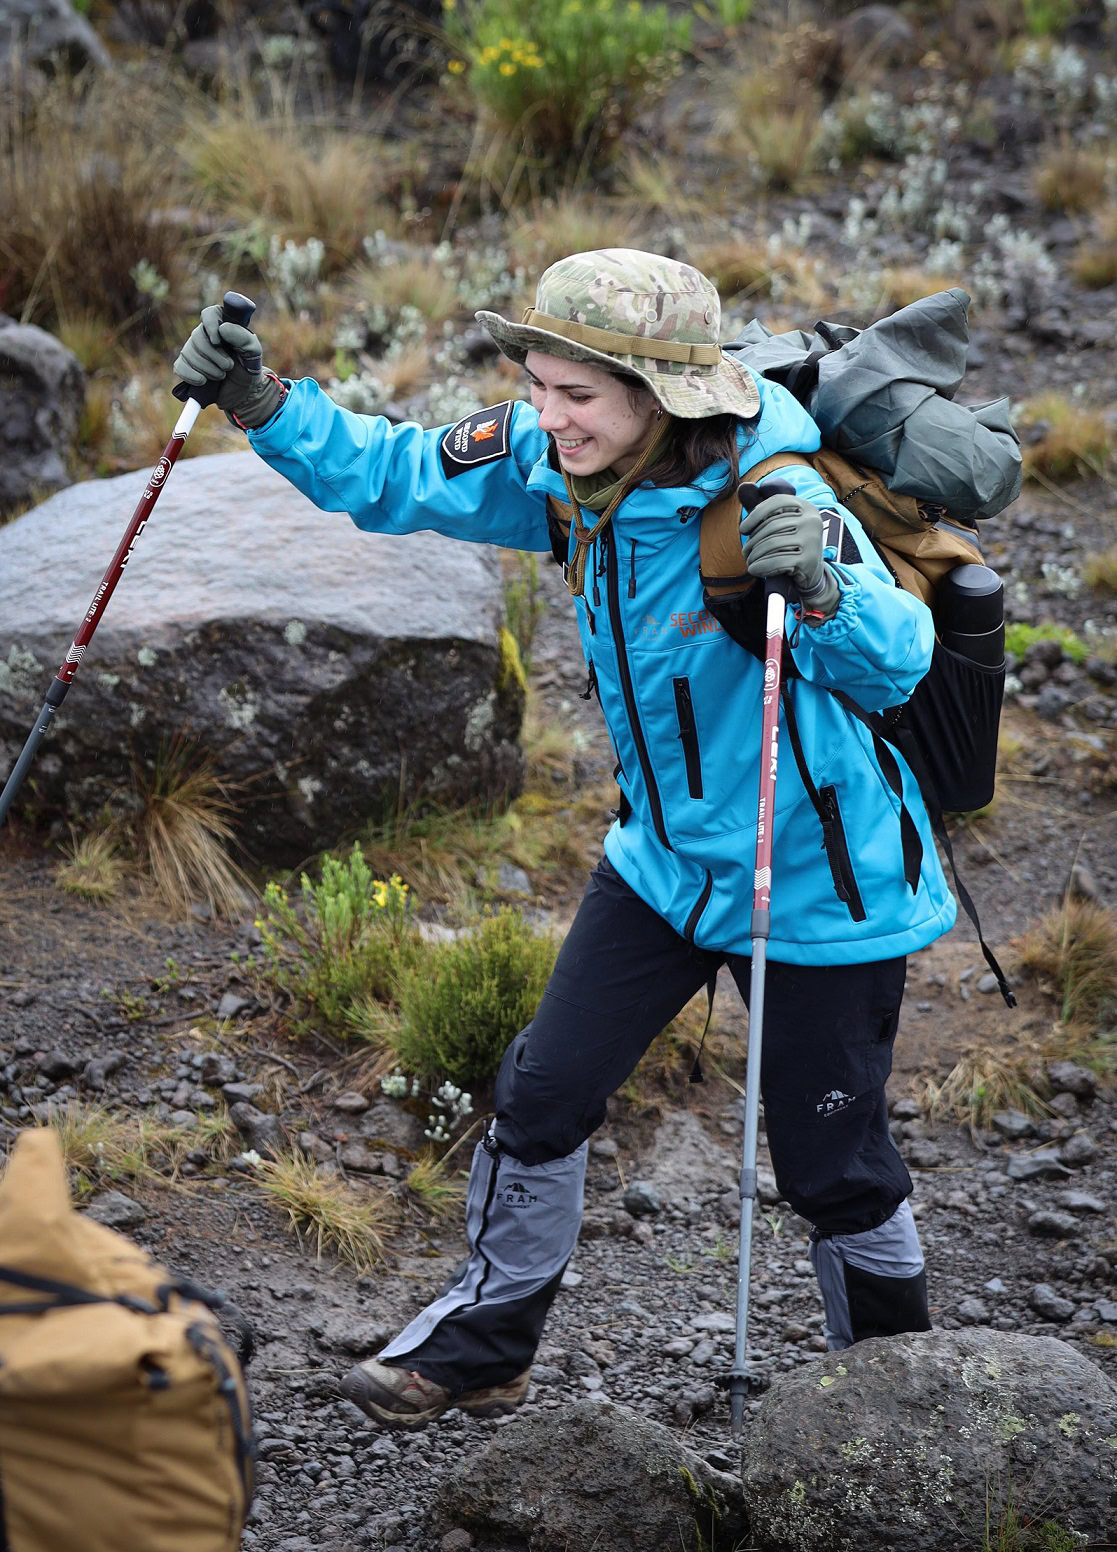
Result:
{"points": [[720, 558], [560, 520]]}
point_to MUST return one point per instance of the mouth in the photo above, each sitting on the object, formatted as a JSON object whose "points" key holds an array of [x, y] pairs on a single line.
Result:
{"points": [[571, 448]]}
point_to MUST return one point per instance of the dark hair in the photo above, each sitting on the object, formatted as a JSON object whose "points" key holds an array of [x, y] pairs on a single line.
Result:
{"points": [[690, 446]]}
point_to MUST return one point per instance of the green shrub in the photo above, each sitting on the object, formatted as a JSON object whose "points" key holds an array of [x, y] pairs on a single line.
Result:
{"points": [[350, 948], [464, 1002], [564, 78], [1019, 637]]}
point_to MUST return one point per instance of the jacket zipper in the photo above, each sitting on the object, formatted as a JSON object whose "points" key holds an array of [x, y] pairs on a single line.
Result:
{"points": [[613, 590], [837, 853], [688, 733], [700, 905], [632, 571]]}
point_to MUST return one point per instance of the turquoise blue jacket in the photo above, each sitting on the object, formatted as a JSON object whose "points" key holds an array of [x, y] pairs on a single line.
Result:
{"points": [[682, 700]]}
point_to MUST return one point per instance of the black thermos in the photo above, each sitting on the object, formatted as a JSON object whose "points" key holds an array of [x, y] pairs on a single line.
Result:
{"points": [[970, 615]]}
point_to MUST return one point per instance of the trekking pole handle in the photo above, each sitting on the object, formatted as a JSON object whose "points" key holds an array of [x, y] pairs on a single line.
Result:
{"points": [[235, 308]]}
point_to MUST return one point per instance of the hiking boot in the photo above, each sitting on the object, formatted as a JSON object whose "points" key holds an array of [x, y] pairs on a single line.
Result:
{"points": [[400, 1398]]}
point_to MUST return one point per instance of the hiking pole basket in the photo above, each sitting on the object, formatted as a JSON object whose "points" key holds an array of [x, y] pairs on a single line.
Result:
{"points": [[234, 309], [738, 1381]]}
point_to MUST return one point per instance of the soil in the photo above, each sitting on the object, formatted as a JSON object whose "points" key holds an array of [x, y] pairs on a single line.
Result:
{"points": [[78, 982]]}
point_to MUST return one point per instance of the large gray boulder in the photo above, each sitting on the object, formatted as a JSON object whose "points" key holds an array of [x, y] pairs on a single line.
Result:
{"points": [[331, 673], [46, 33], [42, 393], [590, 1476], [903, 1442]]}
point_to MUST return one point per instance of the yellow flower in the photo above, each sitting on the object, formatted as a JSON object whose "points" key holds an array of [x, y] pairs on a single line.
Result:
{"points": [[507, 69], [456, 66], [449, 5]]}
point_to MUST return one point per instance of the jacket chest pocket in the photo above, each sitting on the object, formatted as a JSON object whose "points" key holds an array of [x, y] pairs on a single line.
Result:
{"points": [[688, 736]]}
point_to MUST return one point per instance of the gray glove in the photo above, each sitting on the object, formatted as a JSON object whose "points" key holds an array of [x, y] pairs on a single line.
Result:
{"points": [[230, 354], [782, 536]]}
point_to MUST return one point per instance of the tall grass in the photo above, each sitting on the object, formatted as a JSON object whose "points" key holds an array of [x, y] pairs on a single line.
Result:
{"points": [[183, 830]]}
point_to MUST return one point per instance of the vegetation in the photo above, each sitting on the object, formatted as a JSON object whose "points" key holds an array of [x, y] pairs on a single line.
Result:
{"points": [[566, 81], [104, 1147], [1100, 571], [93, 867], [347, 946], [1019, 637], [326, 1212], [985, 1082], [183, 829], [1067, 439], [463, 1003], [1072, 179], [1075, 946]]}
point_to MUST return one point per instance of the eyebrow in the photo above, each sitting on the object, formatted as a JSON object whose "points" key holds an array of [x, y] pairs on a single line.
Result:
{"points": [[565, 387]]}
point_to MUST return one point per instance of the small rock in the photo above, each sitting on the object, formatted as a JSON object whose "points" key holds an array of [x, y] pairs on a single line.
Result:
{"points": [[988, 982], [703, 1352], [716, 1320], [1043, 1163], [56, 1064], [642, 1199], [679, 1347], [315, 1147], [570, 1279], [1065, 1105], [351, 1103], [456, 1541], [1054, 1225], [100, 1068], [604, 1148], [217, 1069], [972, 1312], [921, 1153], [1046, 1302], [231, 1005], [767, 1191], [1107, 1310], [906, 1109], [361, 1160], [1013, 1124], [1070, 1078], [262, 1132], [1082, 882], [242, 1092], [116, 1211], [1079, 1202], [511, 880], [1078, 1150], [996, 1287]]}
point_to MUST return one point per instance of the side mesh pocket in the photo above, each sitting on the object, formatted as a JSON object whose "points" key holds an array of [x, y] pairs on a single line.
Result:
{"points": [[954, 716]]}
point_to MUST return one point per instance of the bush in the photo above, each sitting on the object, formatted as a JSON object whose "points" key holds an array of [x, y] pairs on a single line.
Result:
{"points": [[567, 78], [463, 1004], [351, 948]]}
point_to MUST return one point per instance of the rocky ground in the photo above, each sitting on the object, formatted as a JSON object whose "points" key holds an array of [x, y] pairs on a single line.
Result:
{"points": [[1017, 1222]]}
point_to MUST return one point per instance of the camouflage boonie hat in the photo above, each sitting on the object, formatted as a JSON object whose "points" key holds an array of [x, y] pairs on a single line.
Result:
{"points": [[634, 312]]}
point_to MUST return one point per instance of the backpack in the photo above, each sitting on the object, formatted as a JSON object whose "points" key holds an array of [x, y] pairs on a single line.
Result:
{"points": [[924, 447], [124, 1418]]}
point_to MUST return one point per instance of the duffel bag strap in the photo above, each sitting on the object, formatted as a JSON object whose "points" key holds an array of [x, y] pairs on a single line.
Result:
{"points": [[60, 1295]]}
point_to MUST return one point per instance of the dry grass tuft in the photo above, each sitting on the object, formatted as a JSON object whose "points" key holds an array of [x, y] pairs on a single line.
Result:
{"points": [[1075, 947], [93, 339], [1100, 571], [83, 204], [738, 266], [431, 1191], [326, 1212], [182, 833], [298, 182], [99, 1145], [407, 372], [418, 282], [93, 868], [296, 344], [1069, 441], [983, 1083], [1095, 263], [771, 123], [1072, 179], [571, 223], [128, 428]]}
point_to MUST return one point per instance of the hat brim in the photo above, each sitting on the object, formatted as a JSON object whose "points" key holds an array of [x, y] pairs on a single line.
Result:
{"points": [[725, 389]]}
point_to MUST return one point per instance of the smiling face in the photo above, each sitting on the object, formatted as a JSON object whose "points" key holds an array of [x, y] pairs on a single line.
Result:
{"points": [[590, 414]]}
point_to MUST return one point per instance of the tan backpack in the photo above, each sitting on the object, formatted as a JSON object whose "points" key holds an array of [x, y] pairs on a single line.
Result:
{"points": [[125, 1424]]}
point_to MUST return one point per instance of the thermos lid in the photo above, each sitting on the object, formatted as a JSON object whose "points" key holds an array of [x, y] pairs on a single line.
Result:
{"points": [[970, 599]]}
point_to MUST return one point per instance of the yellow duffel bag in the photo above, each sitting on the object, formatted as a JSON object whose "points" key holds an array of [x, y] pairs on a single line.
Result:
{"points": [[125, 1424]]}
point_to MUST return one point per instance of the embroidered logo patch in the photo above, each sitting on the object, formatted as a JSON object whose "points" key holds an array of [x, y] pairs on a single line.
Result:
{"points": [[478, 438]]}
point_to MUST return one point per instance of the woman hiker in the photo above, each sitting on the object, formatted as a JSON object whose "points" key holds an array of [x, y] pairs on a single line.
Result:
{"points": [[639, 421]]}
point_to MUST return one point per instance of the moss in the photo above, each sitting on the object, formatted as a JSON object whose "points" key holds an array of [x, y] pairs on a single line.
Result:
{"points": [[1068, 1424], [511, 669]]}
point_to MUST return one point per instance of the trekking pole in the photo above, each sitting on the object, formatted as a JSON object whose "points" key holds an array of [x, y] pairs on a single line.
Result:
{"points": [[738, 1382], [234, 309]]}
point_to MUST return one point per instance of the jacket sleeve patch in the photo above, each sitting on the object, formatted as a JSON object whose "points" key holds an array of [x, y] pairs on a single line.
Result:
{"points": [[478, 438], [836, 536]]}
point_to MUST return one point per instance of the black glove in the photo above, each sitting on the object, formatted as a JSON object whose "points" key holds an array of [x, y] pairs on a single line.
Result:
{"points": [[230, 354], [782, 536]]}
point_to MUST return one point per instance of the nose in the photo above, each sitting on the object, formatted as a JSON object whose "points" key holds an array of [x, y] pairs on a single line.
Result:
{"points": [[552, 416]]}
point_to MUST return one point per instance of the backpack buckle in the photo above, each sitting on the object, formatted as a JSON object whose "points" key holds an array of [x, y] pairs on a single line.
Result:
{"points": [[566, 574]]}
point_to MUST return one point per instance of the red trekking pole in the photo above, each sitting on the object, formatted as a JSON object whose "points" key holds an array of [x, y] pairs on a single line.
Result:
{"points": [[235, 309], [738, 1382]]}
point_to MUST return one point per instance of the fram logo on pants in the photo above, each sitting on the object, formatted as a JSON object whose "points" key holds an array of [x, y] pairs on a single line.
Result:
{"points": [[517, 1195], [835, 1101]]}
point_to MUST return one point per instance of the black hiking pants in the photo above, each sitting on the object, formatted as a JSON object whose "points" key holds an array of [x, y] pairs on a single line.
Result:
{"points": [[622, 974]]}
